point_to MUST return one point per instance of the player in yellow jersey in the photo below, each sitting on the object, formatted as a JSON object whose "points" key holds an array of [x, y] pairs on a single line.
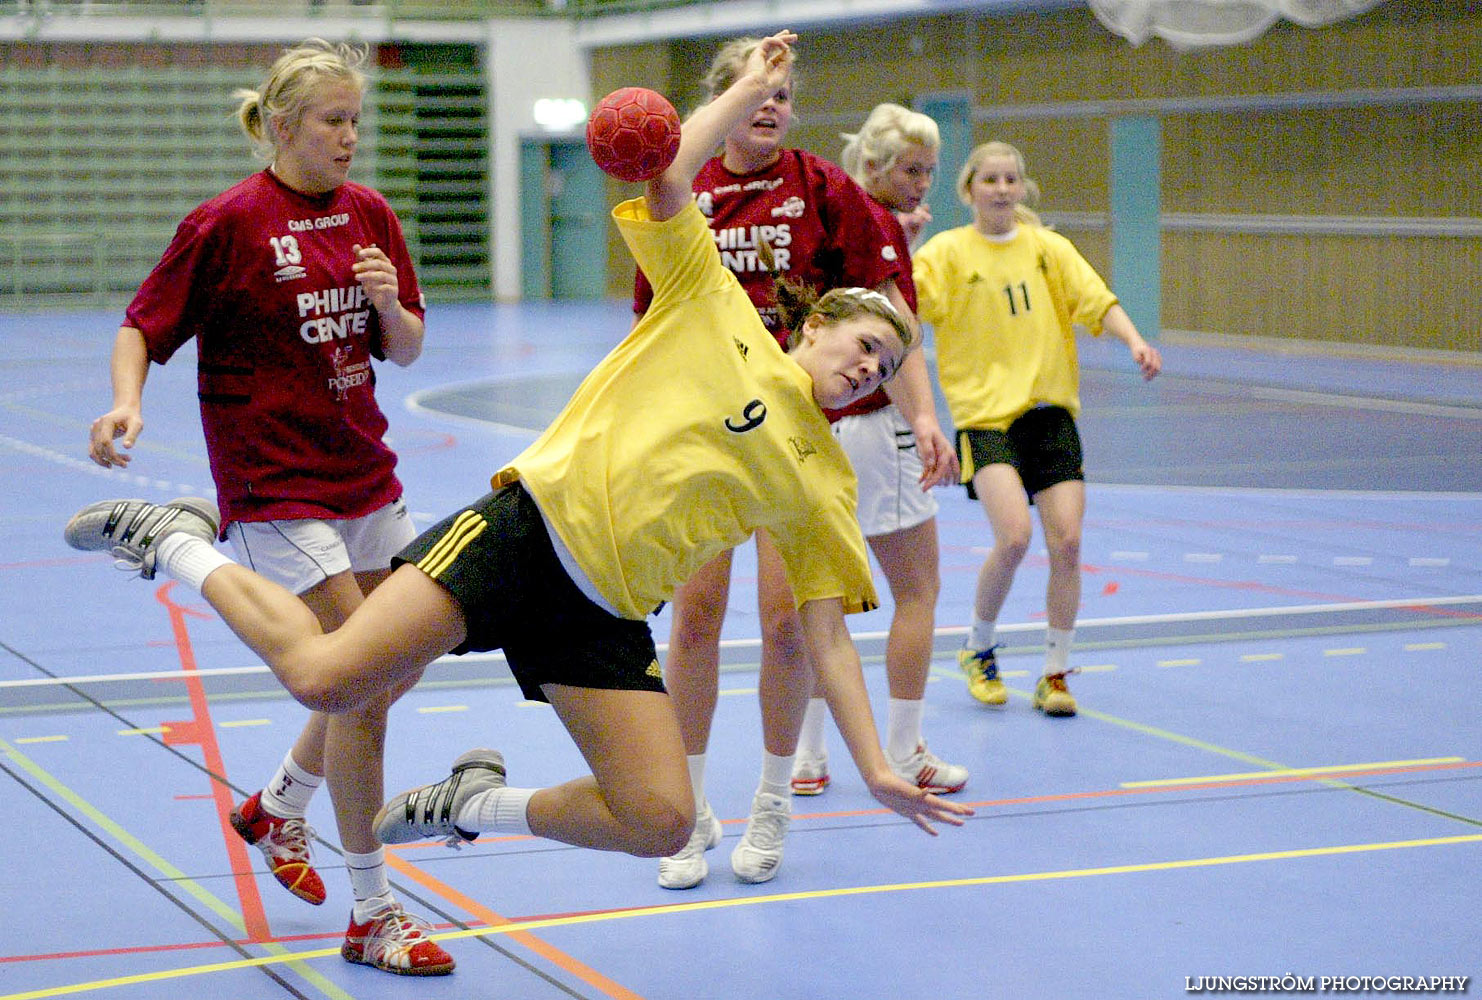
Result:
{"points": [[1004, 294], [694, 432]]}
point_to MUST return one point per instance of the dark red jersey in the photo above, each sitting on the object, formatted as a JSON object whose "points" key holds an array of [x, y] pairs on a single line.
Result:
{"points": [[901, 247], [261, 277], [815, 218]]}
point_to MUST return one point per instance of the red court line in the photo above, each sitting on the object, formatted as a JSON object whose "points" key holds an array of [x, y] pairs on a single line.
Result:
{"points": [[200, 731]]}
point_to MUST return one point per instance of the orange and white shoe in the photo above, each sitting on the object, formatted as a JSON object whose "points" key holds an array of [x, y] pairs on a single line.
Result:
{"points": [[394, 941], [285, 843]]}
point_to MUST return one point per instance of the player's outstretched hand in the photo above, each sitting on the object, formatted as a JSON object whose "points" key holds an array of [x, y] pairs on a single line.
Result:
{"points": [[920, 807]]}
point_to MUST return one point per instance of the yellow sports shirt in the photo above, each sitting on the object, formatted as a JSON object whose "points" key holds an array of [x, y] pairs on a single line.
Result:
{"points": [[693, 433], [1004, 313]]}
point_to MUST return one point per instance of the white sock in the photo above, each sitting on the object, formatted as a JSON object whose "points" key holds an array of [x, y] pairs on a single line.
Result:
{"points": [[903, 727], [696, 763], [812, 741], [288, 794], [1057, 650], [776, 775], [188, 559], [501, 810], [981, 636], [368, 881]]}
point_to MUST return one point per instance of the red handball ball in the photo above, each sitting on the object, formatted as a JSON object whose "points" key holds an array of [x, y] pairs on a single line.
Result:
{"points": [[633, 134]]}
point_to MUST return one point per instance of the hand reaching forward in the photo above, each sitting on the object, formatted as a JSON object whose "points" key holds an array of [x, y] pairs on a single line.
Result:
{"points": [[918, 806]]}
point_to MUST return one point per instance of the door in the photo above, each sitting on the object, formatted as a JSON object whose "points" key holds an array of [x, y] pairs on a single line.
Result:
{"points": [[564, 209]]}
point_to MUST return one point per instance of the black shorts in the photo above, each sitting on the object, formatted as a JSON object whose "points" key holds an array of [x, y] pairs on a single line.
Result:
{"points": [[496, 559], [1043, 446]]}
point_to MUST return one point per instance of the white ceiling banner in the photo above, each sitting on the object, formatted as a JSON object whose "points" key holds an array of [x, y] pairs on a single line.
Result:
{"points": [[1190, 24]]}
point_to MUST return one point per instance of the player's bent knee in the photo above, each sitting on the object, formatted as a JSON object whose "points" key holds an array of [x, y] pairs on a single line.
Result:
{"points": [[659, 827], [314, 687]]}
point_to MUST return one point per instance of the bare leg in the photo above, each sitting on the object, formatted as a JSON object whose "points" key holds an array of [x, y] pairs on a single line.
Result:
{"points": [[786, 679], [352, 744], [1001, 493], [910, 562], [1062, 510], [692, 667], [308, 748], [638, 798], [405, 624]]}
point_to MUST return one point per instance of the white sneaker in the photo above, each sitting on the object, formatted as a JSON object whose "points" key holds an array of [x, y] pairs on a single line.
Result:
{"points": [[925, 769], [809, 774], [759, 855], [688, 868]]}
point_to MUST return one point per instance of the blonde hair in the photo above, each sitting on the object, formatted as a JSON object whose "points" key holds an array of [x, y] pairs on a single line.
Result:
{"points": [[889, 130], [290, 86], [1023, 211], [728, 64]]}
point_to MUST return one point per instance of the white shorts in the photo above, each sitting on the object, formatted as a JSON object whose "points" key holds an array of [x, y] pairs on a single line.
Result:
{"points": [[882, 449], [301, 553]]}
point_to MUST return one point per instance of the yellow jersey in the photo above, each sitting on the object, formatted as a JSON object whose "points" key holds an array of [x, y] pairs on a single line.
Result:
{"points": [[1003, 314], [694, 432]]}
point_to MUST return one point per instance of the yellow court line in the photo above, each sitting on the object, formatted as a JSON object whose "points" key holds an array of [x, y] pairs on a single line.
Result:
{"points": [[786, 897], [1291, 772], [41, 739], [141, 850], [245, 722], [435, 709]]}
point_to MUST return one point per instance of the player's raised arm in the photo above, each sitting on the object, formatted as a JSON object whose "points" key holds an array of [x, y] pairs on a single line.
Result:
{"points": [[767, 71]]}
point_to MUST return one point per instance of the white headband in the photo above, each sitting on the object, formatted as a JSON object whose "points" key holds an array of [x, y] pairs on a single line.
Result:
{"points": [[870, 295]]}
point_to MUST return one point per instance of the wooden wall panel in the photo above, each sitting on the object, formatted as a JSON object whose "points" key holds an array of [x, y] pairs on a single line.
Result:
{"points": [[1399, 291], [1416, 161]]}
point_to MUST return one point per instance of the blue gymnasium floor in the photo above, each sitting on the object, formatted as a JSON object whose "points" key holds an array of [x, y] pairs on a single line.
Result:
{"points": [[1275, 768]]}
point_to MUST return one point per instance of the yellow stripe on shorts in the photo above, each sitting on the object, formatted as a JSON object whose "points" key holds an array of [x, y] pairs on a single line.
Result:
{"points": [[465, 529], [965, 457]]}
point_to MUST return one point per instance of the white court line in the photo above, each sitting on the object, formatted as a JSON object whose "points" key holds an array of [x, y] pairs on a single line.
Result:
{"points": [[876, 636]]}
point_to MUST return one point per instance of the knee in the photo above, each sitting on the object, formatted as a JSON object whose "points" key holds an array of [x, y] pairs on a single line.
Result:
{"points": [[1065, 552], [919, 592], [696, 624], [315, 687], [660, 828], [783, 638], [1012, 545]]}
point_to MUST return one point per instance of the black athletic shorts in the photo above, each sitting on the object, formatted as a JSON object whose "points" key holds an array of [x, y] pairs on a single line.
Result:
{"points": [[1043, 446], [496, 559]]}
